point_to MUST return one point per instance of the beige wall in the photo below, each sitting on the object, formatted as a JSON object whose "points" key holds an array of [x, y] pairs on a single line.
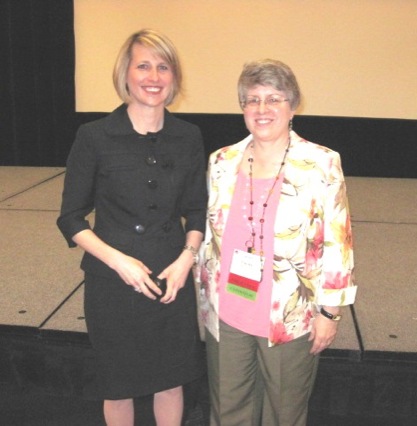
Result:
{"points": [[351, 57]]}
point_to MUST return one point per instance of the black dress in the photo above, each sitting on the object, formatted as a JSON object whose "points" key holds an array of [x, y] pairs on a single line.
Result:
{"points": [[140, 187]]}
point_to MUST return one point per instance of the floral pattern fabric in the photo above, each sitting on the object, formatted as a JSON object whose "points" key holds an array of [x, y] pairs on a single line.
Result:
{"points": [[313, 256]]}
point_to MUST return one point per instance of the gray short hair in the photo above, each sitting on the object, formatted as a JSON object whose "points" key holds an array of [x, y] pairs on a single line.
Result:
{"points": [[269, 72]]}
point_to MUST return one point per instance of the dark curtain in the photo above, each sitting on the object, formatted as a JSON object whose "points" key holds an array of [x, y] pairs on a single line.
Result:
{"points": [[37, 93]]}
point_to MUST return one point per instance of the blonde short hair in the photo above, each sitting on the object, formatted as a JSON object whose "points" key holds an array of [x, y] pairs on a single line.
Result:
{"points": [[161, 46]]}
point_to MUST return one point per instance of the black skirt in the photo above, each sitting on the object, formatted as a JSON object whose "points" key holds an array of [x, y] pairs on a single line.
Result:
{"points": [[141, 346]]}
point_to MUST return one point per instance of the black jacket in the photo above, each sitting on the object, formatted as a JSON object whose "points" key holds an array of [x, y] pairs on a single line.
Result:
{"points": [[139, 186]]}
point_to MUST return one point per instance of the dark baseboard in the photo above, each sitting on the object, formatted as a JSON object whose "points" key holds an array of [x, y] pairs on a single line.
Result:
{"points": [[377, 388]]}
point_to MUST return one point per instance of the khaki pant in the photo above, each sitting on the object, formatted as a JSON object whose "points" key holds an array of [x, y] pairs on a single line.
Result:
{"points": [[254, 385]]}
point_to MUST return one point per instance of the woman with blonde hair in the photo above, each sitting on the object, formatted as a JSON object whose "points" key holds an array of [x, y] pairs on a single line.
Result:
{"points": [[142, 171]]}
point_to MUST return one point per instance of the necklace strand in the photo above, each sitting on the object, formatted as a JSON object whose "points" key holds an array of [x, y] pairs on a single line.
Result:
{"points": [[251, 243]]}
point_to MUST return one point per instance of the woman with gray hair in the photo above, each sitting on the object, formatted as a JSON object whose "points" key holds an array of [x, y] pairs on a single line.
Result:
{"points": [[142, 171], [277, 262]]}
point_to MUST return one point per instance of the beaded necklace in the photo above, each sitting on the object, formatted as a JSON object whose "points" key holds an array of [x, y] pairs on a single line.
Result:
{"points": [[250, 244]]}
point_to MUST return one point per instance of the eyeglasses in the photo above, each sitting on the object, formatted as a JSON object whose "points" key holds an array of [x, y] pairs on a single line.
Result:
{"points": [[272, 101]]}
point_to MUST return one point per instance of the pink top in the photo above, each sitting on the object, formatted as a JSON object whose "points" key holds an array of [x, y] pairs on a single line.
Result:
{"points": [[251, 317]]}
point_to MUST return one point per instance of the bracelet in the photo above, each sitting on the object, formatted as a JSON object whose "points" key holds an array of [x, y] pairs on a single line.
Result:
{"points": [[193, 251], [330, 316]]}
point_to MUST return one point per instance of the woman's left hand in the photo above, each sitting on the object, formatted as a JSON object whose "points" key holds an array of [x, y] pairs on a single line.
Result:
{"points": [[323, 333], [176, 274]]}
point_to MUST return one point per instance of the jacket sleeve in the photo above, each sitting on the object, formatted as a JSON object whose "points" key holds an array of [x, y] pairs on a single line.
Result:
{"points": [[337, 287], [78, 192], [194, 198]]}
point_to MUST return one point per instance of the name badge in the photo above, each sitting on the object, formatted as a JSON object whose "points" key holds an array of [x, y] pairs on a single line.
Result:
{"points": [[245, 275]]}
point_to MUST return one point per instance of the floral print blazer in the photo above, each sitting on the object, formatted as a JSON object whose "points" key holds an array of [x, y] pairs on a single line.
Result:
{"points": [[313, 258]]}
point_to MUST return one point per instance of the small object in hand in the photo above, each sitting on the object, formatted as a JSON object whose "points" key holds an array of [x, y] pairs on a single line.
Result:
{"points": [[161, 283]]}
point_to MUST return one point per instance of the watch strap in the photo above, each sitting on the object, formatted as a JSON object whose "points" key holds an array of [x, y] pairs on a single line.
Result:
{"points": [[333, 317]]}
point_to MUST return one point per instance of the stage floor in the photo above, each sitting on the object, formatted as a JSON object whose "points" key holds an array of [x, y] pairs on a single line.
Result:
{"points": [[41, 285], [367, 377]]}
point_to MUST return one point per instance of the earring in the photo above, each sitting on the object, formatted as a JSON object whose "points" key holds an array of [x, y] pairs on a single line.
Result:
{"points": [[290, 125]]}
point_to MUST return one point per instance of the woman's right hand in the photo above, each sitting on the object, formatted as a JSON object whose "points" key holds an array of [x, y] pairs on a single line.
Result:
{"points": [[136, 274], [132, 271]]}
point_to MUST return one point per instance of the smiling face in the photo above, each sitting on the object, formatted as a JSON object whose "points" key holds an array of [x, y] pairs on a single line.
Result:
{"points": [[267, 123], [149, 78]]}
